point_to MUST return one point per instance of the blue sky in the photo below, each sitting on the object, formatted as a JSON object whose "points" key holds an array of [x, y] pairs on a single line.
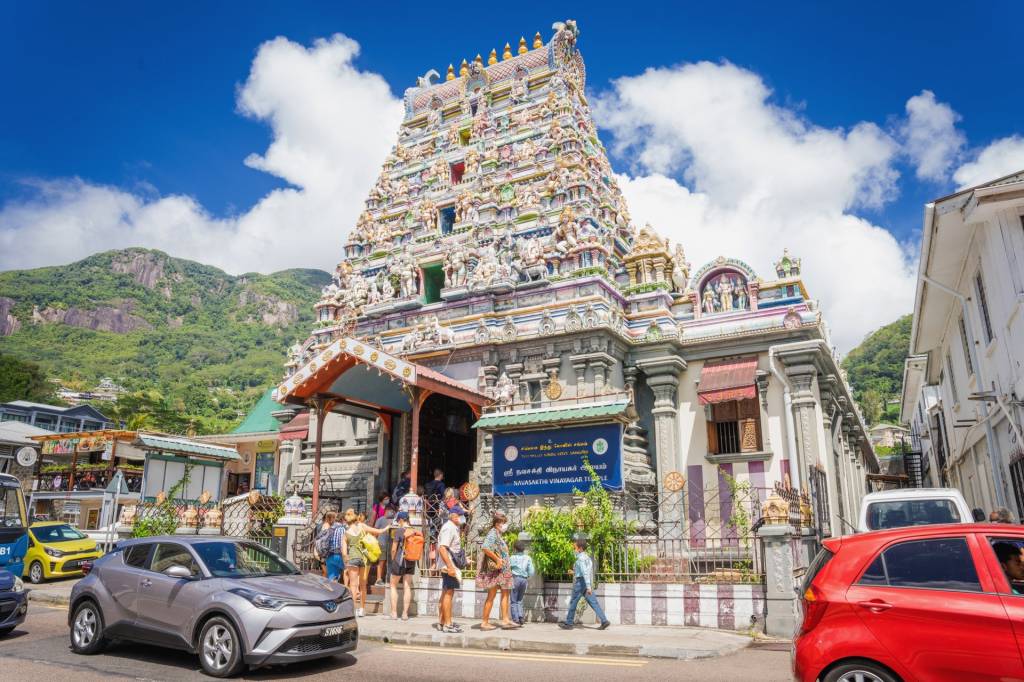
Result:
{"points": [[142, 99]]}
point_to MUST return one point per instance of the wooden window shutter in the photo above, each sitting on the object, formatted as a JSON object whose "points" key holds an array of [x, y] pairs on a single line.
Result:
{"points": [[712, 437]]}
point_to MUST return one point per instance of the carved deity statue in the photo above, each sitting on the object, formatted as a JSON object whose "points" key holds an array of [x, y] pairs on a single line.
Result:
{"points": [[564, 238], [504, 391], [725, 294], [519, 90], [428, 216], [708, 302], [455, 266], [472, 162]]}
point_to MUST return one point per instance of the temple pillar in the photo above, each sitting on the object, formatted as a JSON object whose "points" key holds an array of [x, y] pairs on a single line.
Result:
{"points": [[579, 365], [801, 379], [663, 375]]}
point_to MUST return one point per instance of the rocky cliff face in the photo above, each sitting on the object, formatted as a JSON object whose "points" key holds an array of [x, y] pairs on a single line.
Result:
{"points": [[145, 267], [103, 318], [8, 322], [271, 310]]}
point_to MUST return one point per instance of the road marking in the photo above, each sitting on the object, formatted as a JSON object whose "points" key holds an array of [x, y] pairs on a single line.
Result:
{"points": [[513, 656]]}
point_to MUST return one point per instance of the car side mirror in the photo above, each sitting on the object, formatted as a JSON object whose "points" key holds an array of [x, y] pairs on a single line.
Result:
{"points": [[177, 571]]}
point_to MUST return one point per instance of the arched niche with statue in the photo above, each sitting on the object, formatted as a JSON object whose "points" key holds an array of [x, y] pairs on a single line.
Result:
{"points": [[725, 285]]}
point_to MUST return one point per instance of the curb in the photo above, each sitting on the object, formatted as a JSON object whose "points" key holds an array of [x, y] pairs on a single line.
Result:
{"points": [[48, 598], [500, 643]]}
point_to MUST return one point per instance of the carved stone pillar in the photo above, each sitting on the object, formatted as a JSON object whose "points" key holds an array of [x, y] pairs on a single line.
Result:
{"points": [[515, 373], [664, 382], [579, 365], [801, 378]]}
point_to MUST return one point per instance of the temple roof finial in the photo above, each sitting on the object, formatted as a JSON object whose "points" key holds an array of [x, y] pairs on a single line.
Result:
{"points": [[507, 54], [522, 45], [538, 41], [492, 58], [451, 73], [464, 68], [478, 59]]}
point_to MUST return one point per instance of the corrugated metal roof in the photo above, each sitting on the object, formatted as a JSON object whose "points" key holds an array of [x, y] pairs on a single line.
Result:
{"points": [[184, 446], [260, 418], [727, 380], [551, 415]]}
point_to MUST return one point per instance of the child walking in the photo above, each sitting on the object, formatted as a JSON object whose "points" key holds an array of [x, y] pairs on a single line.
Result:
{"points": [[583, 586], [522, 571]]}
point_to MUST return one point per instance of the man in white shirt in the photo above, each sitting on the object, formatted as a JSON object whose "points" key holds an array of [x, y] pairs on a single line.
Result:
{"points": [[449, 558]]}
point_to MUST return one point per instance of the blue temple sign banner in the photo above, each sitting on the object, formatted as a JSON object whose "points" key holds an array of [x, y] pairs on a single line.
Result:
{"points": [[551, 461]]}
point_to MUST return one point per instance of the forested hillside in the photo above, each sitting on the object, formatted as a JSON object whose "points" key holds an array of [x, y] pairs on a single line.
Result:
{"points": [[875, 370], [195, 345]]}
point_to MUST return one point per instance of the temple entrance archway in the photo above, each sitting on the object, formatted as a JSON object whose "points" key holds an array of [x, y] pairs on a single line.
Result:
{"points": [[447, 439]]}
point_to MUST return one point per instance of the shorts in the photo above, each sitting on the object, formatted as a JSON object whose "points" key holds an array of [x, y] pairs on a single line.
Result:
{"points": [[403, 568], [449, 582], [355, 562]]}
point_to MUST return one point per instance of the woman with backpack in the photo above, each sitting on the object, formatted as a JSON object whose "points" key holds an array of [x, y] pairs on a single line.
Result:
{"points": [[360, 549], [406, 549], [495, 572]]}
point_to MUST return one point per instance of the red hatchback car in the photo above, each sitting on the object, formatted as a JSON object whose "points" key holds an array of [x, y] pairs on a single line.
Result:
{"points": [[921, 603]]}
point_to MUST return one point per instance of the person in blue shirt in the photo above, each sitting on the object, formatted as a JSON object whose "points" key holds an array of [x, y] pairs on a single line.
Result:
{"points": [[583, 587], [522, 570]]}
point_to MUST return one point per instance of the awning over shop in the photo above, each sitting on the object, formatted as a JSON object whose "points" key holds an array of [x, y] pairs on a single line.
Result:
{"points": [[727, 380], [555, 415], [184, 446], [296, 429]]}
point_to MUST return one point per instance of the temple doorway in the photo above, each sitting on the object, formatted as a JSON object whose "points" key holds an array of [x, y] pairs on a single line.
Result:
{"points": [[447, 439]]}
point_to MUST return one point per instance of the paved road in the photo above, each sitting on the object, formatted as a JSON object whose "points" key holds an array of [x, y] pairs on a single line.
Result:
{"points": [[39, 650]]}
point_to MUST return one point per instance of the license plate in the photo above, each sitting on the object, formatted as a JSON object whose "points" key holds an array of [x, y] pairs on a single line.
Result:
{"points": [[332, 631]]}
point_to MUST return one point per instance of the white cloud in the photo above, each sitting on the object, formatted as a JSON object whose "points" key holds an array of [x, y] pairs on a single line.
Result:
{"points": [[1002, 157], [762, 178], [931, 138], [332, 126]]}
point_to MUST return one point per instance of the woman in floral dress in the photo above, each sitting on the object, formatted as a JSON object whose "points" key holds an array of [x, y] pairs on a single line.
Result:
{"points": [[495, 573]]}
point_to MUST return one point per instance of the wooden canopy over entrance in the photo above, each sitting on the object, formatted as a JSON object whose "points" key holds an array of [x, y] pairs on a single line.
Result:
{"points": [[350, 372]]}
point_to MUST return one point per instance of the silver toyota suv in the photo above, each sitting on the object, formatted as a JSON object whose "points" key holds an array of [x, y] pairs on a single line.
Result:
{"points": [[231, 601]]}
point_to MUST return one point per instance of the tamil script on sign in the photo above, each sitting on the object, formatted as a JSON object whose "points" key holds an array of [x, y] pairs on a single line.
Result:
{"points": [[552, 461]]}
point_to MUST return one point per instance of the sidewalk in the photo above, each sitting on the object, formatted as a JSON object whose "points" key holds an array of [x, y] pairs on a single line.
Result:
{"points": [[57, 592], [618, 640]]}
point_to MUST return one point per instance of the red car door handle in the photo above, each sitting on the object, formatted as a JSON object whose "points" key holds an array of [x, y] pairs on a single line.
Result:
{"points": [[875, 605]]}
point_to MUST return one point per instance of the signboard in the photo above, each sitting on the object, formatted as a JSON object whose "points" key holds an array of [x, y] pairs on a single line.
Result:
{"points": [[266, 445], [64, 446], [551, 461]]}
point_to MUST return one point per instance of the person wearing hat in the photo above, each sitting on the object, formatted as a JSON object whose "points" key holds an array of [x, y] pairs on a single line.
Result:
{"points": [[400, 567]]}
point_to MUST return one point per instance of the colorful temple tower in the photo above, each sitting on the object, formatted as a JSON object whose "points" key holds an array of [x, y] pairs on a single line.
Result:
{"points": [[495, 299]]}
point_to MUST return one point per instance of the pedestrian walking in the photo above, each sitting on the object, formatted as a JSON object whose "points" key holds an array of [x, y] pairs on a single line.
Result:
{"points": [[333, 561], [522, 570], [320, 538], [494, 573], [359, 551], [583, 587], [385, 523], [450, 561], [406, 549]]}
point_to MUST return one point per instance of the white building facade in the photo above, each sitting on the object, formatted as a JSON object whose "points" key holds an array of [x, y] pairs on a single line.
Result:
{"points": [[965, 389]]}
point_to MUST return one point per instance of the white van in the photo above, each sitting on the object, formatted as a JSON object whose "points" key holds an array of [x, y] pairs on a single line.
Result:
{"points": [[912, 507]]}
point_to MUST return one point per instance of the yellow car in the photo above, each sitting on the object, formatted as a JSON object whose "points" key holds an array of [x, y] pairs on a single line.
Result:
{"points": [[57, 550]]}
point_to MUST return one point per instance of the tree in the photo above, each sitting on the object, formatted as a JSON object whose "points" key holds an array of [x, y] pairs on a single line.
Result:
{"points": [[20, 380], [871, 404]]}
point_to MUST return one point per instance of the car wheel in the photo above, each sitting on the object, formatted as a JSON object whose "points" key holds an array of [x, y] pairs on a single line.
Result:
{"points": [[859, 671], [87, 629], [35, 573], [220, 648]]}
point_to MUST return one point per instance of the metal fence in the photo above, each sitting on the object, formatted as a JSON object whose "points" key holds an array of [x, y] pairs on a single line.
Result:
{"points": [[695, 535]]}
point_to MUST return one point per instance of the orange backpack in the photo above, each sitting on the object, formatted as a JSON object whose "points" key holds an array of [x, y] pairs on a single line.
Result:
{"points": [[412, 545]]}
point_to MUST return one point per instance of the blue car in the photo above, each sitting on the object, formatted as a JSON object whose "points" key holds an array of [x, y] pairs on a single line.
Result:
{"points": [[13, 602]]}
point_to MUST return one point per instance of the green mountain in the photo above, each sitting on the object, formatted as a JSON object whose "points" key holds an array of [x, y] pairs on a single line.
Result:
{"points": [[875, 371], [193, 344]]}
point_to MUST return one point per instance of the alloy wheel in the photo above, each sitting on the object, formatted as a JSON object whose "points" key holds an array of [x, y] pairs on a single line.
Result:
{"points": [[35, 573], [218, 645], [85, 627], [860, 676]]}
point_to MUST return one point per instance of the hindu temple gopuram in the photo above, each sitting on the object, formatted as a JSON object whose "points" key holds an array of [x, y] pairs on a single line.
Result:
{"points": [[498, 315]]}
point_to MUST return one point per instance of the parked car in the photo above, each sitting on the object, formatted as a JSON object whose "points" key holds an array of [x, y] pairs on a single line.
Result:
{"points": [[231, 601], [927, 603], [57, 550], [912, 507], [13, 602]]}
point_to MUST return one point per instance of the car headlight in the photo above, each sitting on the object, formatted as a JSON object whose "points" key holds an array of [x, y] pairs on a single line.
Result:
{"points": [[19, 585], [53, 552], [263, 601]]}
